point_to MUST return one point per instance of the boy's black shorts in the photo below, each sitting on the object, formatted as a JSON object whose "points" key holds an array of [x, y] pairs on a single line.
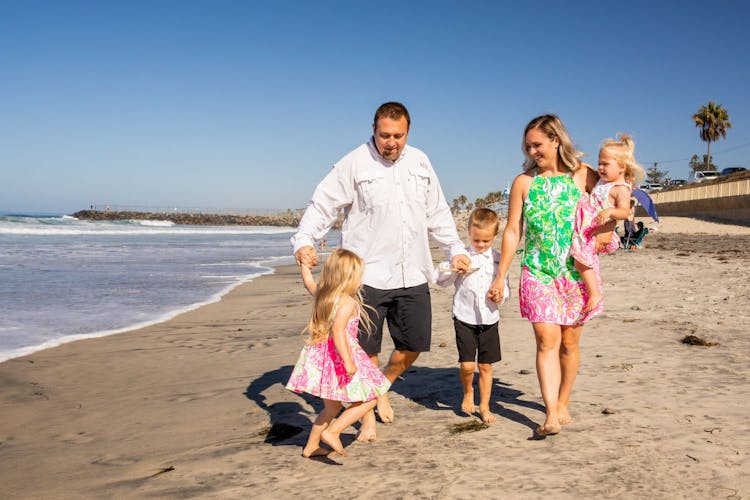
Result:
{"points": [[480, 342]]}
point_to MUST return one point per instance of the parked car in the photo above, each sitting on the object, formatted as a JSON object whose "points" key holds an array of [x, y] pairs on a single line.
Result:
{"points": [[704, 175], [651, 187], [732, 170], [677, 182]]}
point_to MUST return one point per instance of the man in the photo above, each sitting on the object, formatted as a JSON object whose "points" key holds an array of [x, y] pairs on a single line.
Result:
{"points": [[392, 201]]}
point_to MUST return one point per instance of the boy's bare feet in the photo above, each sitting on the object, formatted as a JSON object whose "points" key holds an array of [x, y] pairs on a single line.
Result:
{"points": [[487, 416], [315, 452], [334, 442], [594, 299], [385, 411], [467, 405]]}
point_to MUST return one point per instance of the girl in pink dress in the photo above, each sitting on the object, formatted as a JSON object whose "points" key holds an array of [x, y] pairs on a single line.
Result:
{"points": [[609, 201], [332, 365]]}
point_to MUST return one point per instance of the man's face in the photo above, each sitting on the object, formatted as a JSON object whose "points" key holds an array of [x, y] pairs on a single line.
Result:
{"points": [[390, 137]]}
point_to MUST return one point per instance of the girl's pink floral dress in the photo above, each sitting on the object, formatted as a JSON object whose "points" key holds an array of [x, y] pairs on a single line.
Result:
{"points": [[320, 371]]}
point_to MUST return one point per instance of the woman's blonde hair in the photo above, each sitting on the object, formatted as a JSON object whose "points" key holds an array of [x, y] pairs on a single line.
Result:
{"points": [[622, 150], [553, 128], [341, 275]]}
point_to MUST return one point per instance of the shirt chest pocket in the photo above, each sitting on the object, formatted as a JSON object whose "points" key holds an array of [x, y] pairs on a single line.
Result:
{"points": [[419, 184], [371, 189]]}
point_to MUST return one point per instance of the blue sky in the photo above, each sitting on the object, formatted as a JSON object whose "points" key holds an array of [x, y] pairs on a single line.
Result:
{"points": [[240, 104]]}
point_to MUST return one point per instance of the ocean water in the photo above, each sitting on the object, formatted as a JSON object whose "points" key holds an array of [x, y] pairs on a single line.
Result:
{"points": [[62, 279]]}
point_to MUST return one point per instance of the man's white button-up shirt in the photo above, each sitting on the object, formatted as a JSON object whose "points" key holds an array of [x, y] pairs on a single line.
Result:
{"points": [[390, 209]]}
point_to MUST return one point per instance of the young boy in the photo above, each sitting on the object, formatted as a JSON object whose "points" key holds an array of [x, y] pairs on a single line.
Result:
{"points": [[475, 316]]}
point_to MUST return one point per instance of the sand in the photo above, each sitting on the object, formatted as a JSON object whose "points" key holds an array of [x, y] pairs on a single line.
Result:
{"points": [[183, 408]]}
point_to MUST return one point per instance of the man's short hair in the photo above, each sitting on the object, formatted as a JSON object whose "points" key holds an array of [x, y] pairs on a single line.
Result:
{"points": [[484, 218], [394, 111]]}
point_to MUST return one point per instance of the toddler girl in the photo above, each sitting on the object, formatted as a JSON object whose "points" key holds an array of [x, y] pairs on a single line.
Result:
{"points": [[332, 365], [608, 201]]}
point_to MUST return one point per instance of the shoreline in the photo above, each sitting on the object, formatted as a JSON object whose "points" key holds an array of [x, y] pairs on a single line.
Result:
{"points": [[184, 407]]}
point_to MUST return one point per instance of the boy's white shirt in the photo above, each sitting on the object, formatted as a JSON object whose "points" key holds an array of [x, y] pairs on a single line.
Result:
{"points": [[470, 302]]}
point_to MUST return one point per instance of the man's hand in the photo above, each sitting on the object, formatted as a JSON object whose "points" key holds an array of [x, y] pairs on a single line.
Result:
{"points": [[306, 256], [461, 263]]}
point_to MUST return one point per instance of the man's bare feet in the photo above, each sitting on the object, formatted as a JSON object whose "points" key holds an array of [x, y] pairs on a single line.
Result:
{"points": [[315, 452], [333, 440], [594, 299], [385, 411], [563, 416], [467, 405]]}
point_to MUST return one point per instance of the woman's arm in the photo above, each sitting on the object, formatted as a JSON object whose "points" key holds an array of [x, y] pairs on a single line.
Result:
{"points": [[511, 234]]}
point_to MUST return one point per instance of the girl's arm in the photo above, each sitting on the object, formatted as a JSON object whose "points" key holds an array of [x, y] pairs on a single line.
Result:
{"points": [[511, 235], [307, 279], [347, 310], [621, 209]]}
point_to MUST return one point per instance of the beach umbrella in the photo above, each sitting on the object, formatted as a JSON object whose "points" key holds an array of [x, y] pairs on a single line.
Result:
{"points": [[646, 202]]}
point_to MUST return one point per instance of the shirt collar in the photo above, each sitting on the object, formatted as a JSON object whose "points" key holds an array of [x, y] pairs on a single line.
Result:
{"points": [[486, 253]]}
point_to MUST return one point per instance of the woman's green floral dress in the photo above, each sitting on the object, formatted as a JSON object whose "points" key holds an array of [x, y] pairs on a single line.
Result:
{"points": [[551, 290]]}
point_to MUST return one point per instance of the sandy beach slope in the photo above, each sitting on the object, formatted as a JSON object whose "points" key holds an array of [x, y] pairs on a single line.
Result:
{"points": [[183, 408]]}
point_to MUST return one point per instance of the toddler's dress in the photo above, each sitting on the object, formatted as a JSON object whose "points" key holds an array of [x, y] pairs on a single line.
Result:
{"points": [[551, 290], [583, 247], [320, 371]]}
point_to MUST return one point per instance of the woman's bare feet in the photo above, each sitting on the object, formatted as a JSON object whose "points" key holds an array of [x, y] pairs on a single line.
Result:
{"points": [[467, 405], [334, 441], [487, 416], [548, 429], [385, 411], [563, 416], [315, 452]]}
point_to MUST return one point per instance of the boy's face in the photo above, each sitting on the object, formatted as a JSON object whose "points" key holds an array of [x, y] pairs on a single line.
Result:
{"points": [[481, 239]]}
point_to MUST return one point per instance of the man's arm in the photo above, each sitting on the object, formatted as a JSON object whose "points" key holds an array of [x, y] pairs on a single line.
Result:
{"points": [[442, 226], [335, 191]]}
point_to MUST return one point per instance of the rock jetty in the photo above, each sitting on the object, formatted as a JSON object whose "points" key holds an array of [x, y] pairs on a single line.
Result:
{"points": [[286, 219]]}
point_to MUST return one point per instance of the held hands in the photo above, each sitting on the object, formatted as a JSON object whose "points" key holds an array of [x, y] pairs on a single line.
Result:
{"points": [[461, 263], [497, 293], [306, 256]]}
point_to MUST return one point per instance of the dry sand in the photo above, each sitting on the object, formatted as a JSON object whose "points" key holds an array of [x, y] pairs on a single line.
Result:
{"points": [[183, 408]]}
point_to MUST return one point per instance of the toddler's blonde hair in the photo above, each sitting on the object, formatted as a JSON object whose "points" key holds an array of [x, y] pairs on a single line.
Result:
{"points": [[622, 150], [341, 275]]}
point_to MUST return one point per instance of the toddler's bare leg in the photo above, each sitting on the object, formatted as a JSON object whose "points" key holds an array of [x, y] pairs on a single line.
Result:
{"points": [[312, 448], [485, 390], [466, 373]]}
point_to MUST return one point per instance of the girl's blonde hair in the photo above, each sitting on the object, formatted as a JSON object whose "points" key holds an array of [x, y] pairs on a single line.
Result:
{"points": [[622, 151], [341, 275], [553, 128]]}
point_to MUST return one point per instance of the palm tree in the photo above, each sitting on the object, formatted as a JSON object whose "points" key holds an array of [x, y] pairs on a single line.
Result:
{"points": [[713, 122]]}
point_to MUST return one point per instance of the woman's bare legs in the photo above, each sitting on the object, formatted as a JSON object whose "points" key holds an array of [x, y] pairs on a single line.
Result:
{"points": [[569, 362], [329, 412], [548, 370]]}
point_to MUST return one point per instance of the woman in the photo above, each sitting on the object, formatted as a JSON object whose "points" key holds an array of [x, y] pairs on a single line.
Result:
{"points": [[552, 295]]}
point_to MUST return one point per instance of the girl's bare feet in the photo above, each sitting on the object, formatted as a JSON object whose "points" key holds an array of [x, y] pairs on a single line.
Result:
{"points": [[333, 440], [486, 414], [315, 452]]}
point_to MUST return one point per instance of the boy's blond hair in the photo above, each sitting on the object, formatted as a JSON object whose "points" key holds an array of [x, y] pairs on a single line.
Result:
{"points": [[484, 218]]}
